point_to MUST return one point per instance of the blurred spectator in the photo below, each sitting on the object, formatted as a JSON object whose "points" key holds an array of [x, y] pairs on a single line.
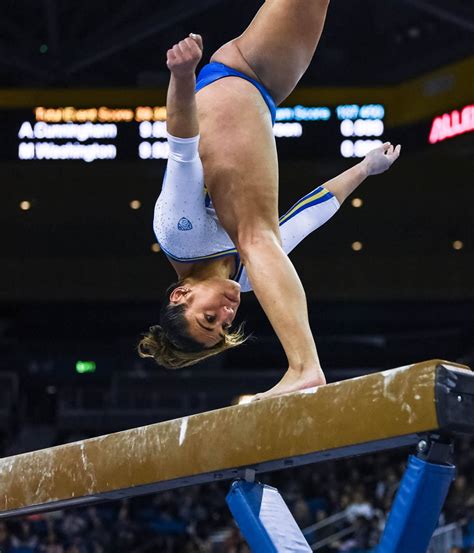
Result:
{"points": [[458, 498], [301, 513], [51, 544], [359, 507], [24, 539], [5, 539], [73, 524]]}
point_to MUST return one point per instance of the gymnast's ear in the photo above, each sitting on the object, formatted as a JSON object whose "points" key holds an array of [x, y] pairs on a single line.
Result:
{"points": [[178, 295]]}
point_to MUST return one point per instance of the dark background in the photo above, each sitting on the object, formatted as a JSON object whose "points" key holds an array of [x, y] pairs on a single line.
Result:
{"points": [[110, 43], [78, 279]]}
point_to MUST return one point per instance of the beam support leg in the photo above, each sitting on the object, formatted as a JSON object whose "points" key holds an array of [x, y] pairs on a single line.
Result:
{"points": [[264, 519], [420, 499]]}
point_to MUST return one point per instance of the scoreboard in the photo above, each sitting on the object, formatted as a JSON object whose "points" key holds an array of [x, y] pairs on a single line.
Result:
{"points": [[139, 133]]}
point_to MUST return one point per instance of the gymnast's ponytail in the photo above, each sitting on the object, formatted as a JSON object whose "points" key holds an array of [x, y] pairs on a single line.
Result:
{"points": [[170, 343]]}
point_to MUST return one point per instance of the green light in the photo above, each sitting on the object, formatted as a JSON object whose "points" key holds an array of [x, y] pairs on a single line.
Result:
{"points": [[43, 48], [85, 367]]}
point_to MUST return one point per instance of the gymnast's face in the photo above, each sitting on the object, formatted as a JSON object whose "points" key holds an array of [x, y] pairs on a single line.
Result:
{"points": [[211, 306]]}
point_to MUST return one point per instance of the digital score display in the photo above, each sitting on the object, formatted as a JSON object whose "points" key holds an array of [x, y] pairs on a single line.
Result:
{"points": [[91, 134]]}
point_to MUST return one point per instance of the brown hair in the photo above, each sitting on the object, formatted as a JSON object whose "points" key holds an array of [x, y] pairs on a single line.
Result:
{"points": [[170, 343]]}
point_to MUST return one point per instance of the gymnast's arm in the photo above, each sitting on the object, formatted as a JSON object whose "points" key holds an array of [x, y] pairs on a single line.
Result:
{"points": [[377, 161], [182, 60], [316, 208], [184, 173]]}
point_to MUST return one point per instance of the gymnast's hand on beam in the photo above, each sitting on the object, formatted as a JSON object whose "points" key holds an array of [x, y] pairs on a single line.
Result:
{"points": [[380, 159], [184, 57]]}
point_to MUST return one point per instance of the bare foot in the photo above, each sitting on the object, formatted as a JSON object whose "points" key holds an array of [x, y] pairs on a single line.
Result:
{"points": [[294, 381]]}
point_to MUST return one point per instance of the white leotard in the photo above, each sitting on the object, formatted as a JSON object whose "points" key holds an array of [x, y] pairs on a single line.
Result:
{"points": [[186, 224]]}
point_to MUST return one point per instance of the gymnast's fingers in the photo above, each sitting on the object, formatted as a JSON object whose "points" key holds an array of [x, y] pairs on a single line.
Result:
{"points": [[396, 152], [198, 40], [394, 155], [170, 56], [193, 48], [181, 49]]}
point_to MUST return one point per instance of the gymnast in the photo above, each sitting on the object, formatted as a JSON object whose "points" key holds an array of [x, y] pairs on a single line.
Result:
{"points": [[216, 218]]}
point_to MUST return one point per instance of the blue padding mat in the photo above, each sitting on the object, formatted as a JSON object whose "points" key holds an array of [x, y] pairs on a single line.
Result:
{"points": [[264, 519], [417, 506]]}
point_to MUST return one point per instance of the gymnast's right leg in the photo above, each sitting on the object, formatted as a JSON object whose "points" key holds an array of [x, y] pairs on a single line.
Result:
{"points": [[278, 45], [240, 164]]}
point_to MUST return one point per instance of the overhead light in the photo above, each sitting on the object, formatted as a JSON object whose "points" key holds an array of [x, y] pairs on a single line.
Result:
{"points": [[25, 205], [135, 204], [458, 245], [357, 202], [357, 246]]}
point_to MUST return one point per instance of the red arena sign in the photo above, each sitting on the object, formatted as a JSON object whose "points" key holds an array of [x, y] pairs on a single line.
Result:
{"points": [[452, 124]]}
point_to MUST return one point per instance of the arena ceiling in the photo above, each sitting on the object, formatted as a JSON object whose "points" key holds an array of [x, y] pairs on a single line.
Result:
{"points": [[110, 43]]}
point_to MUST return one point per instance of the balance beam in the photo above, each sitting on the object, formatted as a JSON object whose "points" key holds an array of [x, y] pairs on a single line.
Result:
{"points": [[366, 414]]}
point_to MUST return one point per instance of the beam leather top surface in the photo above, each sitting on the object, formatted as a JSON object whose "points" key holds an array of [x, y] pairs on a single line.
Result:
{"points": [[365, 409]]}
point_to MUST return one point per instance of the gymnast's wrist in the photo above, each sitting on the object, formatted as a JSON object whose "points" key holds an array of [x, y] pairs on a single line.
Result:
{"points": [[364, 169], [181, 75]]}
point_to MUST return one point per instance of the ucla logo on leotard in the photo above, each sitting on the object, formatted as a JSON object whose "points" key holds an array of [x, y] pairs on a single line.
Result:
{"points": [[184, 224]]}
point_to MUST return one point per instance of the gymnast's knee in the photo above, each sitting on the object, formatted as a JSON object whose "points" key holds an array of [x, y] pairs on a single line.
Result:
{"points": [[252, 240]]}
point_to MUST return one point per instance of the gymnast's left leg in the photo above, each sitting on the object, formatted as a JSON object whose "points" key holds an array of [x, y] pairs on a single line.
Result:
{"points": [[241, 169], [279, 44]]}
